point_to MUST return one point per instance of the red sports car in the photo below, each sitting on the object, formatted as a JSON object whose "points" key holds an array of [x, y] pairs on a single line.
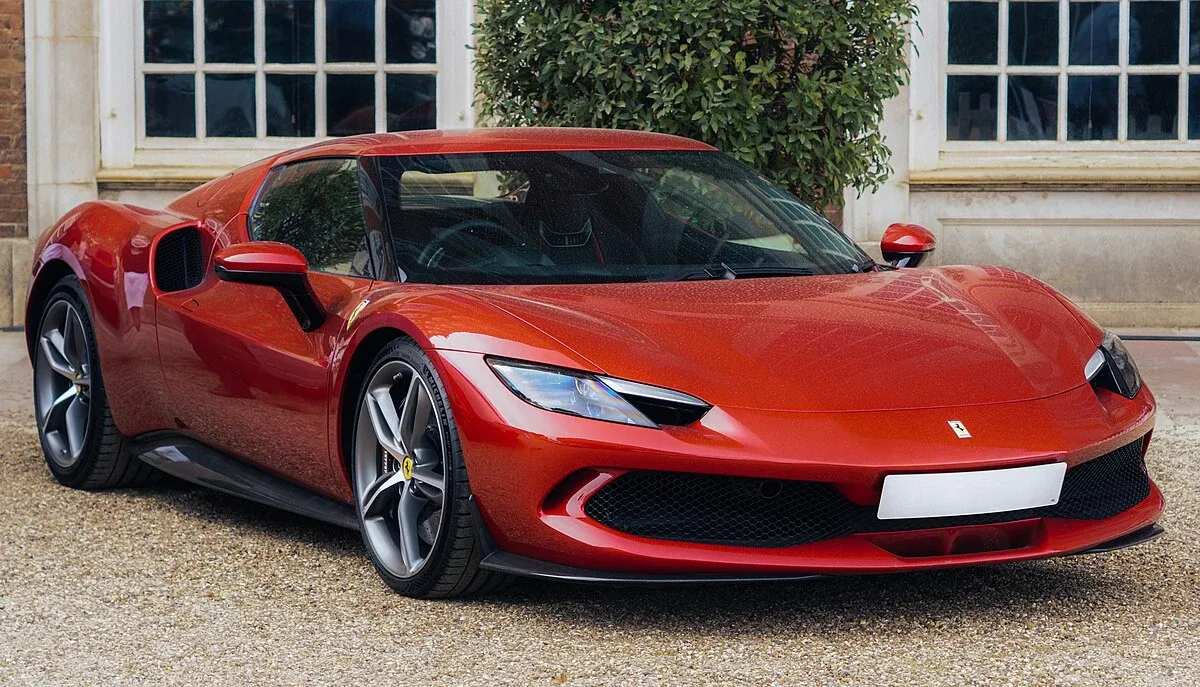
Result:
{"points": [[585, 355]]}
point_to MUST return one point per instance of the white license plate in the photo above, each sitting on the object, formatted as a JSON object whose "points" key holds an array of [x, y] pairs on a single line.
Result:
{"points": [[943, 494]]}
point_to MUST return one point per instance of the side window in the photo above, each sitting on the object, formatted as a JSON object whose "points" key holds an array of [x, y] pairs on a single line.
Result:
{"points": [[317, 208]]}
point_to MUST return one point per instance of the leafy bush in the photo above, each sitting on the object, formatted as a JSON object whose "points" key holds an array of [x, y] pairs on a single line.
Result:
{"points": [[794, 88]]}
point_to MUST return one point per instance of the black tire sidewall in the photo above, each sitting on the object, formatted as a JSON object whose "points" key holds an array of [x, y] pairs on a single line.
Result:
{"points": [[457, 494], [70, 290]]}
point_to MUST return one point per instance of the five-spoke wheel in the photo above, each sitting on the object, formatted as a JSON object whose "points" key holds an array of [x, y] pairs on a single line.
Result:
{"points": [[410, 481], [400, 467], [62, 383]]}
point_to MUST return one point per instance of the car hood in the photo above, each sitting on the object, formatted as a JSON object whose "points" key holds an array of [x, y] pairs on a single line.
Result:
{"points": [[876, 341]]}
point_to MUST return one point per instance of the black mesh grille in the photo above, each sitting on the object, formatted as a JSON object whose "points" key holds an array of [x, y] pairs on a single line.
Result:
{"points": [[179, 261], [744, 511]]}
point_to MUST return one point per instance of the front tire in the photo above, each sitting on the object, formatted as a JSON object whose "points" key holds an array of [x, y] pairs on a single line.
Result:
{"points": [[410, 483], [81, 444]]}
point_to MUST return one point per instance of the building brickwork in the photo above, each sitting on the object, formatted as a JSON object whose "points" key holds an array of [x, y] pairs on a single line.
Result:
{"points": [[14, 209]]}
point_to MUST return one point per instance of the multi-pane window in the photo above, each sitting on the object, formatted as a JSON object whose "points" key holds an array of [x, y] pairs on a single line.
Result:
{"points": [[1073, 70], [257, 69]]}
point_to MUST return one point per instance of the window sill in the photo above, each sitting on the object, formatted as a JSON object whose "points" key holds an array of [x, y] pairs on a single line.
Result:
{"points": [[156, 178], [1094, 175]]}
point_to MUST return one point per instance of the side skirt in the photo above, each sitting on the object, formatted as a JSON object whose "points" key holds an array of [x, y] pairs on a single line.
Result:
{"points": [[195, 462]]}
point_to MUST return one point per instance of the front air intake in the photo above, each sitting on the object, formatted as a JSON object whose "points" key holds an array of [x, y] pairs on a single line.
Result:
{"points": [[744, 511], [179, 260]]}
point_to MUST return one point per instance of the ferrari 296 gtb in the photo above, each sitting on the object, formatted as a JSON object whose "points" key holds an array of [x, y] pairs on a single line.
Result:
{"points": [[586, 355]]}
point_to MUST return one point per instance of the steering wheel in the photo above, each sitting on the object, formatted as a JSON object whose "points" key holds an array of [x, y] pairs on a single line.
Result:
{"points": [[474, 248]]}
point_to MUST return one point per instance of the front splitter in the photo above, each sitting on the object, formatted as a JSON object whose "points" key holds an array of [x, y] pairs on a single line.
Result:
{"points": [[522, 566]]}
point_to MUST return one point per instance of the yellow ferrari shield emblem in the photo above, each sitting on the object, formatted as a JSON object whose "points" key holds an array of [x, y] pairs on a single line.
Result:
{"points": [[407, 467]]}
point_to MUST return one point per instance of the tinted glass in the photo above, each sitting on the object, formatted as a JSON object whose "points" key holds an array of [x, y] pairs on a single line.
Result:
{"points": [[1032, 108], [350, 104], [411, 31], [291, 105], [1032, 33], [229, 105], [1153, 107], [528, 218], [169, 36], [1194, 39], [971, 108], [171, 105], [350, 30], [1095, 32], [1092, 108], [229, 31], [1154, 32], [289, 31], [974, 31], [411, 102], [1194, 107], [316, 207]]}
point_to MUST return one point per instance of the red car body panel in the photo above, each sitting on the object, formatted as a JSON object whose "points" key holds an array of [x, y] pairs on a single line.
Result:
{"points": [[837, 379]]}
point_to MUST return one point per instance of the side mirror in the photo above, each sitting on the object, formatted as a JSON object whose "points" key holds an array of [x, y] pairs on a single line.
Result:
{"points": [[278, 266], [907, 245]]}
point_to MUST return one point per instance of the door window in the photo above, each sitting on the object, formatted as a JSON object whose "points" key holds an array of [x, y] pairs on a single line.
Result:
{"points": [[316, 207]]}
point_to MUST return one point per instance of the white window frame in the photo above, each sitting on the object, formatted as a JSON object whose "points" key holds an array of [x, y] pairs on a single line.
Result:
{"points": [[934, 158], [125, 146]]}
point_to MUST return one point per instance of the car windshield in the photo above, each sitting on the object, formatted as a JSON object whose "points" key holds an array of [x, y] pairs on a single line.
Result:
{"points": [[600, 216]]}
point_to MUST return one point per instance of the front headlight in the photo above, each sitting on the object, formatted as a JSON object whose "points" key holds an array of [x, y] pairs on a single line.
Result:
{"points": [[597, 397], [1112, 367]]}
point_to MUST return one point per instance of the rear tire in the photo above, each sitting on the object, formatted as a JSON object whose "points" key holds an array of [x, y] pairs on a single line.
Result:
{"points": [[397, 474], [80, 442]]}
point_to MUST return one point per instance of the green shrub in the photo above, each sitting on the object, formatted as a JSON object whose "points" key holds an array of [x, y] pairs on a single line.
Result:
{"points": [[794, 88]]}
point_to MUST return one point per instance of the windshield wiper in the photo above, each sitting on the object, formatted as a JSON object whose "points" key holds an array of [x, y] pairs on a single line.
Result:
{"points": [[723, 271]]}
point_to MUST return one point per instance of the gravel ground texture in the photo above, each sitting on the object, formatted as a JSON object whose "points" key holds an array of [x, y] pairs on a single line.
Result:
{"points": [[178, 585]]}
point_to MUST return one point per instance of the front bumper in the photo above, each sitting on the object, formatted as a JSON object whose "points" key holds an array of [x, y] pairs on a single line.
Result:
{"points": [[532, 471]]}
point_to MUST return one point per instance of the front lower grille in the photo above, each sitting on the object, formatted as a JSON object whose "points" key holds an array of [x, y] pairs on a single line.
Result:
{"points": [[741, 511]]}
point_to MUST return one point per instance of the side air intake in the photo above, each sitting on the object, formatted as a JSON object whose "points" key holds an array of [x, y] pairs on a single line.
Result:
{"points": [[179, 260]]}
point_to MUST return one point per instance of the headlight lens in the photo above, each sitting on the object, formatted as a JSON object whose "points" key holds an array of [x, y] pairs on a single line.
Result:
{"points": [[566, 391], [1113, 368], [598, 397]]}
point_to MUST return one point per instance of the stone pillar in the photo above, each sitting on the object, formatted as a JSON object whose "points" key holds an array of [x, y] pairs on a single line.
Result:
{"points": [[61, 115]]}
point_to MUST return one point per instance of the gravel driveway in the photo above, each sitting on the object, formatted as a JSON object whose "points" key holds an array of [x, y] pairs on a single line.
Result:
{"points": [[181, 585]]}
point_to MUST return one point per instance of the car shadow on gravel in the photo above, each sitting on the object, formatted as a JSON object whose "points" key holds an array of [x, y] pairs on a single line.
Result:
{"points": [[1001, 591], [241, 515], [1007, 590]]}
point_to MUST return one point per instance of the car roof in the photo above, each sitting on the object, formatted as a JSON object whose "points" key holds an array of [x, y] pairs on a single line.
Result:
{"points": [[491, 140]]}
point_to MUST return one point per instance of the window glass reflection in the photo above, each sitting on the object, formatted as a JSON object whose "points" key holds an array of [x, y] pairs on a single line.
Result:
{"points": [[974, 32], [1153, 107], [168, 33], [971, 108], [171, 105], [350, 107], [412, 102], [350, 30], [411, 31], [1154, 33], [1092, 108], [229, 31], [229, 105], [1032, 108], [289, 31], [1032, 33], [1095, 33], [291, 105]]}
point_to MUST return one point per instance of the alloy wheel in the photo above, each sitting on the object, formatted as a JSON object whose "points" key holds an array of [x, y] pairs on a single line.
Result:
{"points": [[399, 468], [63, 383]]}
